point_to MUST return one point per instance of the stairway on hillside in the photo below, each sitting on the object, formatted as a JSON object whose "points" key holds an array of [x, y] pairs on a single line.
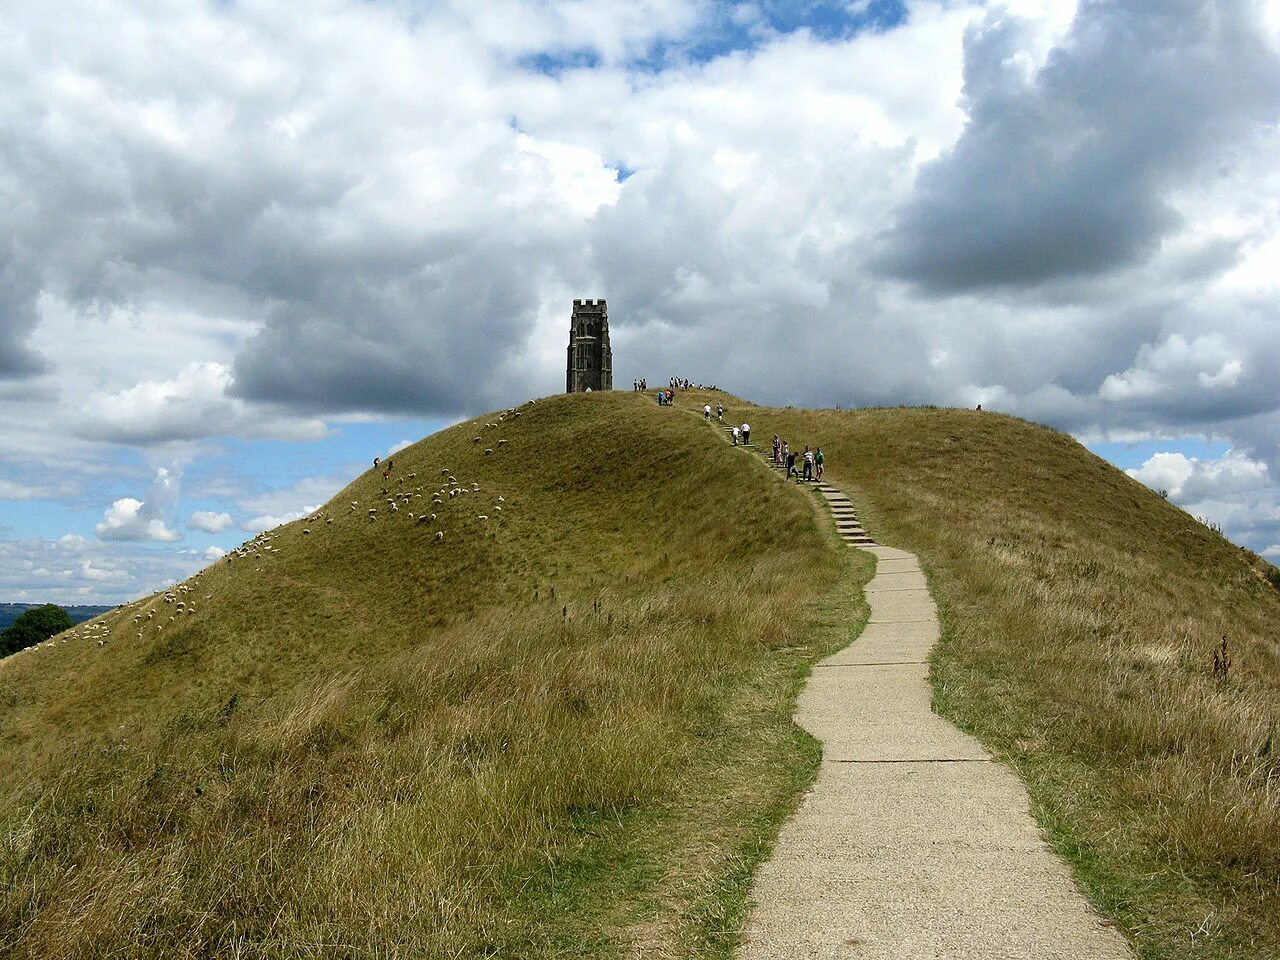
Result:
{"points": [[841, 507]]}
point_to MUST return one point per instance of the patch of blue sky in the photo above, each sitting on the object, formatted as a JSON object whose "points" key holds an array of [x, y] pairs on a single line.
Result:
{"points": [[734, 26], [1127, 456], [744, 25], [46, 519], [555, 63]]}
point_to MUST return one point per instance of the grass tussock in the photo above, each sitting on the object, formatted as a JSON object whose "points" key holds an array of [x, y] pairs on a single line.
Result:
{"points": [[1082, 616], [562, 731]]}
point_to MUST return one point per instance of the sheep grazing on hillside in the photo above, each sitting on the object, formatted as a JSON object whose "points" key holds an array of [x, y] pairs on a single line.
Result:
{"points": [[413, 476], [444, 472], [482, 516], [439, 534], [425, 518], [306, 532], [488, 450], [476, 439], [329, 520], [501, 442], [502, 499], [497, 509]]}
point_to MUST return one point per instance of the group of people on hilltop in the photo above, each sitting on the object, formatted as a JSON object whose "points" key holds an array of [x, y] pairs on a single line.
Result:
{"points": [[684, 383], [810, 462], [641, 384]]}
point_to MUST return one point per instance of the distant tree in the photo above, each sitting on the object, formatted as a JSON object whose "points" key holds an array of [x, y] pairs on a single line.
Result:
{"points": [[34, 626]]}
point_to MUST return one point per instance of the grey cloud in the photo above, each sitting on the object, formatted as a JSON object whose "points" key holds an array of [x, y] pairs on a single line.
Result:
{"points": [[435, 336], [19, 288], [1066, 173]]}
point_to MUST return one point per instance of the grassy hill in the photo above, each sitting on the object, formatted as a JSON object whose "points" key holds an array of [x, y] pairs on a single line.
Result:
{"points": [[563, 730], [560, 730], [1081, 618]]}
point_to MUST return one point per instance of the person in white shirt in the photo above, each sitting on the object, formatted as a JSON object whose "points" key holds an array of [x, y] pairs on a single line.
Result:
{"points": [[706, 412], [746, 433], [735, 436]]}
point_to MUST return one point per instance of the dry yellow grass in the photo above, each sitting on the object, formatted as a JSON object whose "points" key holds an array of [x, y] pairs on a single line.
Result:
{"points": [[1081, 614], [562, 731]]}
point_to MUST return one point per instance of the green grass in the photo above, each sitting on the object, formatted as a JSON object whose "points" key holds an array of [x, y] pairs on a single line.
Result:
{"points": [[1081, 613], [561, 731], [564, 730]]}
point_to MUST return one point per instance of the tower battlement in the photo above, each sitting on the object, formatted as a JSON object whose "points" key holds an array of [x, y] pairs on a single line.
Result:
{"points": [[590, 361]]}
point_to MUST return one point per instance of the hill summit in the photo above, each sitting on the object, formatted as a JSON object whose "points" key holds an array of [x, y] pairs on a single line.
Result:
{"points": [[552, 717]]}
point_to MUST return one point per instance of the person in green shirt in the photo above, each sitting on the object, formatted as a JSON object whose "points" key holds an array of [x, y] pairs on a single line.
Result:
{"points": [[817, 462]]}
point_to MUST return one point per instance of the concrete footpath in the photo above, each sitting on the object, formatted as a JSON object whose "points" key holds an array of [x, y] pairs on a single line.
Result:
{"points": [[912, 843]]}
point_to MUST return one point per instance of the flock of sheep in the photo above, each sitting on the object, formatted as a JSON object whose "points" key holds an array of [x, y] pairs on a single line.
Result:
{"points": [[177, 598], [148, 613]]}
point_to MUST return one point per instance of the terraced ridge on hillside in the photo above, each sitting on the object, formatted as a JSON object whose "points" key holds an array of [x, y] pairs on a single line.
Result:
{"points": [[561, 728]]}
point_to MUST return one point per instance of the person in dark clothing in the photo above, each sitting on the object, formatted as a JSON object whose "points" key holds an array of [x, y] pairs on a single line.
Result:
{"points": [[791, 463]]}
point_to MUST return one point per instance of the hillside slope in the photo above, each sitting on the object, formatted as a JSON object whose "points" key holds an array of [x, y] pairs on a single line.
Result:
{"points": [[565, 724], [1081, 618]]}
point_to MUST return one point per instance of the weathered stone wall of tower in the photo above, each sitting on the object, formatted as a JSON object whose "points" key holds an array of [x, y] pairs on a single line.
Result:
{"points": [[590, 358]]}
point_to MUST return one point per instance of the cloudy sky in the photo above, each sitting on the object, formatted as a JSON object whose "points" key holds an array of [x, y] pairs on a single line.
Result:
{"points": [[244, 247]]}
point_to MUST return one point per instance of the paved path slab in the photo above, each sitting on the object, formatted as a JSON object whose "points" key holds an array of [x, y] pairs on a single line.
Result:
{"points": [[913, 842]]}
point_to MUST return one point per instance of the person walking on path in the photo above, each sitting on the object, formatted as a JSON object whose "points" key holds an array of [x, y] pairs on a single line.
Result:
{"points": [[746, 432], [808, 464], [706, 412], [735, 436], [817, 463], [777, 449], [719, 413], [791, 464]]}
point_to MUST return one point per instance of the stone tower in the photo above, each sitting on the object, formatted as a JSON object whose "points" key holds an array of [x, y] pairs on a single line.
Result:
{"points": [[590, 357]]}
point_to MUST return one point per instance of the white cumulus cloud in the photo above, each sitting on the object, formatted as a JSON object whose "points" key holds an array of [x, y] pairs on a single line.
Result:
{"points": [[131, 519], [208, 521]]}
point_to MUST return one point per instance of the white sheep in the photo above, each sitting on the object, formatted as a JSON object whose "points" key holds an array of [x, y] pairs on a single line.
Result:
{"points": [[439, 534], [482, 517], [488, 450]]}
